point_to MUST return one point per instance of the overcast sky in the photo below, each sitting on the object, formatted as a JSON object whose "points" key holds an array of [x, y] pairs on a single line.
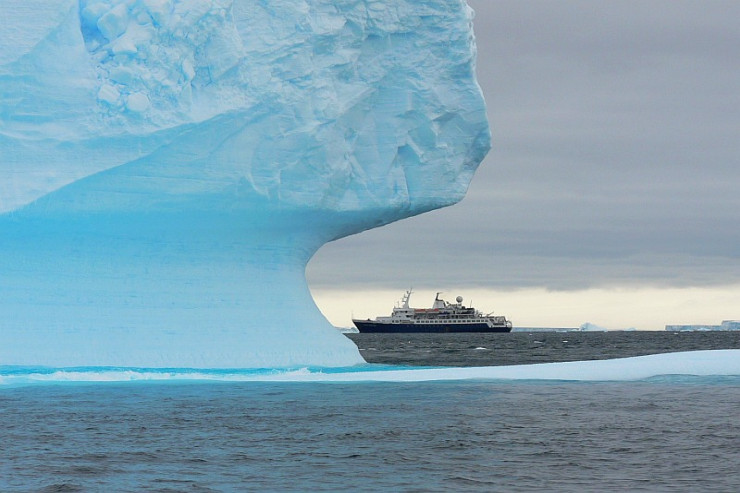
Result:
{"points": [[615, 168]]}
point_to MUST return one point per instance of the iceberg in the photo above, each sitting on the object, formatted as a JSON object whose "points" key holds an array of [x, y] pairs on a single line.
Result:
{"points": [[711, 366], [724, 326], [589, 327], [168, 168]]}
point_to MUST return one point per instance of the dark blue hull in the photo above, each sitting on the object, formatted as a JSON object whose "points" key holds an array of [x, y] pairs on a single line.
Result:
{"points": [[376, 327]]}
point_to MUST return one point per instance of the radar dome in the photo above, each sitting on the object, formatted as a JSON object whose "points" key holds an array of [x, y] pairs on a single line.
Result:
{"points": [[459, 299]]}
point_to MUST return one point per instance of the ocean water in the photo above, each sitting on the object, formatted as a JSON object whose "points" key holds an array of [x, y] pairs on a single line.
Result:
{"points": [[519, 348], [663, 433]]}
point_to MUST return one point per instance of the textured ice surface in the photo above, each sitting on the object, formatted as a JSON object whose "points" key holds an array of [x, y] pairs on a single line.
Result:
{"points": [[167, 168]]}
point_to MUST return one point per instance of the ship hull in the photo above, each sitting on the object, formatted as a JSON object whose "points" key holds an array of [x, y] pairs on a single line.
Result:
{"points": [[369, 326]]}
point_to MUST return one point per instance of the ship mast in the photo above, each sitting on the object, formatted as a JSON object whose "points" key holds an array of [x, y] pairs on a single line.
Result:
{"points": [[405, 299]]}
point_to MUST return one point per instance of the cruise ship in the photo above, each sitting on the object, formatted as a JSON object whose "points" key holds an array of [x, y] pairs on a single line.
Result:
{"points": [[441, 317]]}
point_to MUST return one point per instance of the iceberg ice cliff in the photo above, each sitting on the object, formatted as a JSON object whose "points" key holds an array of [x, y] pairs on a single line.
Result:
{"points": [[168, 168]]}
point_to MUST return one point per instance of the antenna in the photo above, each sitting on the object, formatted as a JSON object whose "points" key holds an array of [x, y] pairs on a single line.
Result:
{"points": [[406, 297]]}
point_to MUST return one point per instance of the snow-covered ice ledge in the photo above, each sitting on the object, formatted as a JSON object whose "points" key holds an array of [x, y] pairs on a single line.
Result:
{"points": [[167, 168], [717, 366]]}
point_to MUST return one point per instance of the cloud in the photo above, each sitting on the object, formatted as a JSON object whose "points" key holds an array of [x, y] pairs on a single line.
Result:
{"points": [[615, 156]]}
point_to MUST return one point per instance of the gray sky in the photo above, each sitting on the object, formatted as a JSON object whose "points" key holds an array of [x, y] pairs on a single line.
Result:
{"points": [[615, 160]]}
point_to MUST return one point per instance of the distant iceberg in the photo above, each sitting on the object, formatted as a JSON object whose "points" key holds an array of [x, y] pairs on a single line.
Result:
{"points": [[589, 327], [725, 325], [168, 168]]}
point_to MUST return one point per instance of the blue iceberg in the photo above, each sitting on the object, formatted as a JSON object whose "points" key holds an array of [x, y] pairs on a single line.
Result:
{"points": [[168, 168]]}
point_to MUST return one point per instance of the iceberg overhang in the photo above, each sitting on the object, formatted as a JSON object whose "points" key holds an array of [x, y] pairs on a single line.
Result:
{"points": [[162, 190]]}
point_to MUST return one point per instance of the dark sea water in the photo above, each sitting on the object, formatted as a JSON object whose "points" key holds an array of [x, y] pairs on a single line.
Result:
{"points": [[661, 434], [518, 348]]}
